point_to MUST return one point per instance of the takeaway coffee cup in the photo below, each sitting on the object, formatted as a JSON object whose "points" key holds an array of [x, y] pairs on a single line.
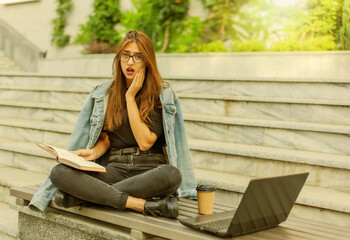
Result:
{"points": [[206, 196]]}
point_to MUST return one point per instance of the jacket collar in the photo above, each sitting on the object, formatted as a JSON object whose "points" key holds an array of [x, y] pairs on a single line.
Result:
{"points": [[101, 90]]}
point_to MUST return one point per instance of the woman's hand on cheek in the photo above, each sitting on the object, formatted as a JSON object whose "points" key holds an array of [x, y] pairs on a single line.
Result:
{"points": [[136, 84]]}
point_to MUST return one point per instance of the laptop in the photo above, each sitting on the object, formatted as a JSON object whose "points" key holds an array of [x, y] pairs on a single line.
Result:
{"points": [[266, 203]]}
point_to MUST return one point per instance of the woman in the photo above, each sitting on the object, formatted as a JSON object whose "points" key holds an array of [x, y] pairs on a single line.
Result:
{"points": [[142, 114]]}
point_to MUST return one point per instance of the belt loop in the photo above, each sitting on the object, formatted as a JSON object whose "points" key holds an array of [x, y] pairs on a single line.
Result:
{"points": [[137, 151]]}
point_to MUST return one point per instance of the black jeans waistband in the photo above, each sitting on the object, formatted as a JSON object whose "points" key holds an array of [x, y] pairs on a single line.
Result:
{"points": [[135, 151]]}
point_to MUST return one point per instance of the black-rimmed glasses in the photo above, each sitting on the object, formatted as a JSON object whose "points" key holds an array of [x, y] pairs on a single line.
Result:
{"points": [[138, 58]]}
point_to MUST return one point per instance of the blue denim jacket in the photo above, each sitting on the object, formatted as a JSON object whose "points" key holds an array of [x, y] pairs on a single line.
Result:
{"points": [[88, 128]]}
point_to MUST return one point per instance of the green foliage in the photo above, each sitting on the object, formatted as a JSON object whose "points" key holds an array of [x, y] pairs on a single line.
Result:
{"points": [[220, 23], [254, 21], [244, 22], [320, 43], [188, 37], [240, 25], [215, 46], [286, 45], [344, 33], [59, 23], [160, 20], [312, 28], [99, 33], [248, 46]]}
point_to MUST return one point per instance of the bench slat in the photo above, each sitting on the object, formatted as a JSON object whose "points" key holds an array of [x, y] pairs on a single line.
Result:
{"points": [[281, 233], [321, 226], [145, 226], [316, 231], [162, 227]]}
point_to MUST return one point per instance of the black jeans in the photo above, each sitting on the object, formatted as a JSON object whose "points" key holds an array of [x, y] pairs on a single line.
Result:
{"points": [[143, 176]]}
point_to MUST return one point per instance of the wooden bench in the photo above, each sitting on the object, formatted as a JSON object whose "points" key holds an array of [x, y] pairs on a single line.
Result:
{"points": [[145, 227]]}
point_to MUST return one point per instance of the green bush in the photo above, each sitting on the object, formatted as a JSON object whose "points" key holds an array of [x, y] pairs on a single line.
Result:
{"points": [[215, 46], [286, 45], [188, 36], [321, 43], [98, 34], [248, 46], [161, 20]]}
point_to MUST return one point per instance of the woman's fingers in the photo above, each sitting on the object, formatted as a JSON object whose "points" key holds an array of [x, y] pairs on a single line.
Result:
{"points": [[85, 153], [139, 78], [77, 152], [137, 82]]}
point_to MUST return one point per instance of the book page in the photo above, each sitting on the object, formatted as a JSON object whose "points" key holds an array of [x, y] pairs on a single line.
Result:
{"points": [[71, 159], [62, 153]]}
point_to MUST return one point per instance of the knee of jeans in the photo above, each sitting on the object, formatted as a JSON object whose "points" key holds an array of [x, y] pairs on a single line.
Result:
{"points": [[57, 173], [173, 175]]}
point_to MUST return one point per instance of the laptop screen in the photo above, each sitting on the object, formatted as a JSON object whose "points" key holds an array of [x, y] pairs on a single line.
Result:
{"points": [[266, 203]]}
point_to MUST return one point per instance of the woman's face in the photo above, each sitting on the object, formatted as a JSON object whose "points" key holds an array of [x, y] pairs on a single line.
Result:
{"points": [[129, 66]]}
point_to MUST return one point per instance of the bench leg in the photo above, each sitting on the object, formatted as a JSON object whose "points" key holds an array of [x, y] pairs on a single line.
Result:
{"points": [[140, 235], [22, 202]]}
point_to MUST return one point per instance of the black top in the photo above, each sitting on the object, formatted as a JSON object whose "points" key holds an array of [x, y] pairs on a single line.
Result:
{"points": [[123, 137]]}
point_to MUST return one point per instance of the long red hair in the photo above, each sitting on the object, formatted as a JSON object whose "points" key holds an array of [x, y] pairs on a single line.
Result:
{"points": [[148, 96]]}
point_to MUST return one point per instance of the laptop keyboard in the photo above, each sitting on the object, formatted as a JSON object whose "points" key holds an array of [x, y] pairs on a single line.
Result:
{"points": [[216, 225]]}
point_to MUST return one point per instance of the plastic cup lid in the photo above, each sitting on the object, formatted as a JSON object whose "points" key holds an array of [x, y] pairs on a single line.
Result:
{"points": [[206, 188]]}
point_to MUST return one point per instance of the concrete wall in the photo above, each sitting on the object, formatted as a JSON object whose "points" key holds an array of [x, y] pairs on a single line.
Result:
{"points": [[33, 21], [17, 48], [332, 65]]}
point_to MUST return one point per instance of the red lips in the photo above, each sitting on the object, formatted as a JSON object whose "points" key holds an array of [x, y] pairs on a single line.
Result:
{"points": [[130, 71]]}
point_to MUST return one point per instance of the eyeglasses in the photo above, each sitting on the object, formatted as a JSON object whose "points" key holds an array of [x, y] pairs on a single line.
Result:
{"points": [[124, 57]]}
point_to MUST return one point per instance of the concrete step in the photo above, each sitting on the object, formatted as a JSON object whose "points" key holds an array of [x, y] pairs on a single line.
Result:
{"points": [[279, 88], [271, 133], [326, 170], [26, 156], [35, 131], [58, 112], [31, 79], [283, 88], [280, 134], [10, 177], [313, 203], [8, 223], [44, 94], [269, 108]]}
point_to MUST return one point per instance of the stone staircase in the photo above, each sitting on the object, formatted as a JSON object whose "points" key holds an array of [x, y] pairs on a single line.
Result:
{"points": [[238, 129], [242, 129]]}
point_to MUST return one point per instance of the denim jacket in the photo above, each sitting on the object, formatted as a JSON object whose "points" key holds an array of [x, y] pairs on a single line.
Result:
{"points": [[89, 126]]}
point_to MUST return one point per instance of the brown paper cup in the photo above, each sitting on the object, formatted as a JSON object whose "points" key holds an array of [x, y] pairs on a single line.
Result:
{"points": [[206, 196]]}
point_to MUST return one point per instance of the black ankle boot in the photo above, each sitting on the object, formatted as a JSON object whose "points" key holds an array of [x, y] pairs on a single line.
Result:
{"points": [[65, 200], [166, 207]]}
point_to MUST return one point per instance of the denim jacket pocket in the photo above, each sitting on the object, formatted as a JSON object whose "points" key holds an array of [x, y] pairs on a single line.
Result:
{"points": [[93, 130], [170, 111]]}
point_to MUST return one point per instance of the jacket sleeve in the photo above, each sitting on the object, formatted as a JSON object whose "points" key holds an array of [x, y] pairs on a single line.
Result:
{"points": [[184, 163], [80, 134]]}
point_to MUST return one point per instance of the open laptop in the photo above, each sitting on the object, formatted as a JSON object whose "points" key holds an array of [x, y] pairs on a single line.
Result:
{"points": [[266, 203]]}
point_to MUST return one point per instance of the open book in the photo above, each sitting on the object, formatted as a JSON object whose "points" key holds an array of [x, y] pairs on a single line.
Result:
{"points": [[72, 160]]}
